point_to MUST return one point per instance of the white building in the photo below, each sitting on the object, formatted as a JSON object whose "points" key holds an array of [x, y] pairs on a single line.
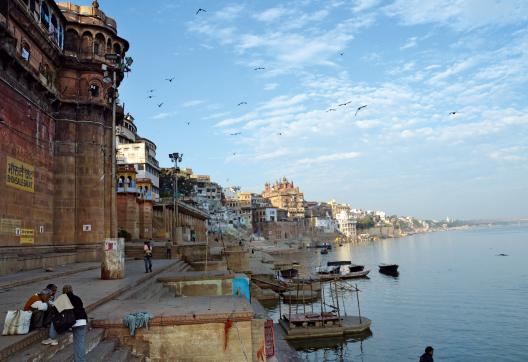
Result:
{"points": [[140, 152], [346, 224]]}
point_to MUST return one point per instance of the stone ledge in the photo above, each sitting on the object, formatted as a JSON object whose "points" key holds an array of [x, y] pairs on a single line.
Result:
{"points": [[180, 320]]}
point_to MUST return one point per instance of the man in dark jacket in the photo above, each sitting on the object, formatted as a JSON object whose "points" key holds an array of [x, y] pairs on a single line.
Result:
{"points": [[79, 328], [428, 355]]}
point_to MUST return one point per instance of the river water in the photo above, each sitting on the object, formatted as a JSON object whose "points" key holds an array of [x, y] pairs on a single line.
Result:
{"points": [[453, 292]]}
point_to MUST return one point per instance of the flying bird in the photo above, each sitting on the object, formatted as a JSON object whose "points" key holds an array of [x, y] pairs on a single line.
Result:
{"points": [[159, 105], [453, 113], [200, 10], [331, 110], [150, 90], [150, 97], [259, 68], [235, 134], [188, 123], [279, 134], [359, 109], [344, 104], [170, 79], [234, 153], [341, 54], [241, 103]]}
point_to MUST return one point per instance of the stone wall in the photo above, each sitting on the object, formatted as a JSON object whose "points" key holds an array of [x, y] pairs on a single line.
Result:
{"points": [[128, 214], [194, 342]]}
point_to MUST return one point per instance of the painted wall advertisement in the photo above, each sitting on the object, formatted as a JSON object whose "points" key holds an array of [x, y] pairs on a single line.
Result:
{"points": [[20, 175]]}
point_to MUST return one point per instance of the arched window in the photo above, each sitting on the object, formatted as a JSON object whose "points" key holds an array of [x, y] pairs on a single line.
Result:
{"points": [[54, 28], [94, 89], [25, 51], [109, 46], [32, 5], [99, 44], [71, 41], [44, 15], [117, 48], [87, 43]]}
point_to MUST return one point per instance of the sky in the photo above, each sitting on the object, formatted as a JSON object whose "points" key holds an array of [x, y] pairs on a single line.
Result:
{"points": [[410, 62]]}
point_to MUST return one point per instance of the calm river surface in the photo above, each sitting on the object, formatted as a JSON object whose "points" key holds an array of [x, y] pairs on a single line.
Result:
{"points": [[453, 293]]}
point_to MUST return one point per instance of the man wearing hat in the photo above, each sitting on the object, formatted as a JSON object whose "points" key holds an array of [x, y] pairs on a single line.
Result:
{"points": [[39, 306]]}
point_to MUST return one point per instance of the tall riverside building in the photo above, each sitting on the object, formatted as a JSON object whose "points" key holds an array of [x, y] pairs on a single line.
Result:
{"points": [[285, 196], [56, 203]]}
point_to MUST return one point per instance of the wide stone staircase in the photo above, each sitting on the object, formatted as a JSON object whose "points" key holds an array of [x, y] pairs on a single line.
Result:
{"points": [[97, 347]]}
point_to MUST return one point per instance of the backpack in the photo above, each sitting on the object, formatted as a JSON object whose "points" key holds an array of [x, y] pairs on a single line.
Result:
{"points": [[64, 320]]}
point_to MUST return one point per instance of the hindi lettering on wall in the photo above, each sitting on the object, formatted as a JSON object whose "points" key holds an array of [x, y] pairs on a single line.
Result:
{"points": [[20, 175]]}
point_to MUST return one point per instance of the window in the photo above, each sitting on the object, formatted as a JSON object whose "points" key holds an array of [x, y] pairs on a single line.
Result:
{"points": [[94, 90], [141, 167], [44, 15], [25, 52]]}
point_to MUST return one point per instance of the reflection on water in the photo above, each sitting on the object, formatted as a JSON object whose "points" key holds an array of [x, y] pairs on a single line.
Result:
{"points": [[453, 292]]}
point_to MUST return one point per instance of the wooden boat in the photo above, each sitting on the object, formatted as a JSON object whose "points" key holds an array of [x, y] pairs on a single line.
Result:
{"points": [[299, 296], [390, 269], [326, 324], [324, 251], [354, 275], [351, 267], [328, 269]]}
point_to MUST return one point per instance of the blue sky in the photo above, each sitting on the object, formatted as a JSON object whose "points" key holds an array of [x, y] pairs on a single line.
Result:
{"points": [[412, 62]]}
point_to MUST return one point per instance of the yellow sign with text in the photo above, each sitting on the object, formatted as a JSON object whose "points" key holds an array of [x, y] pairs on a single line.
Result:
{"points": [[27, 236], [20, 175]]}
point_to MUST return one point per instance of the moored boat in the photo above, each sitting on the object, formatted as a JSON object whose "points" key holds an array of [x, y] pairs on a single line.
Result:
{"points": [[324, 251], [388, 268], [354, 275]]}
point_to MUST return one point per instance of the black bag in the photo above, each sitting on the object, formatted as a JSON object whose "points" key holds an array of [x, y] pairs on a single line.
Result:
{"points": [[64, 320]]}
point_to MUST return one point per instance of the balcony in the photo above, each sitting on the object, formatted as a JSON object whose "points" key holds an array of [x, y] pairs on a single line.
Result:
{"points": [[123, 187]]}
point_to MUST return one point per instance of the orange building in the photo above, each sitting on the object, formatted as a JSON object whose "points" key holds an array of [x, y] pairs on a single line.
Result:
{"points": [[285, 196]]}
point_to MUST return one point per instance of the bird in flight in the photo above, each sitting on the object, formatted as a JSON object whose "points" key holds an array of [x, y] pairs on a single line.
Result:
{"points": [[234, 153], [344, 104], [259, 68], [453, 113], [200, 10], [279, 134], [150, 97], [170, 79], [150, 90], [188, 123], [241, 103], [235, 134], [359, 109], [159, 105], [341, 54], [331, 110]]}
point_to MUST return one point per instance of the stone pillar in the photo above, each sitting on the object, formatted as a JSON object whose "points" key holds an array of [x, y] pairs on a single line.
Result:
{"points": [[113, 263]]}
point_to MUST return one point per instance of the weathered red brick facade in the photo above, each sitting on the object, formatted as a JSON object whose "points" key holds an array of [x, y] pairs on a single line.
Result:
{"points": [[55, 131]]}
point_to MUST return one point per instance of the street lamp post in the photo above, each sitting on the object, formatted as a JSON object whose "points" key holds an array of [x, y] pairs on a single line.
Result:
{"points": [[175, 158], [121, 66]]}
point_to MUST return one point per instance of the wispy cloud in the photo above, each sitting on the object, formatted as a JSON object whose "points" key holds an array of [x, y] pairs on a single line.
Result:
{"points": [[329, 158], [511, 154], [192, 103], [164, 115], [460, 15], [410, 43]]}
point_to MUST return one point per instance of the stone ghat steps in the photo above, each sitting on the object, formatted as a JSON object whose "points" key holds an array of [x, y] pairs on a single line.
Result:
{"points": [[97, 348], [153, 290]]}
